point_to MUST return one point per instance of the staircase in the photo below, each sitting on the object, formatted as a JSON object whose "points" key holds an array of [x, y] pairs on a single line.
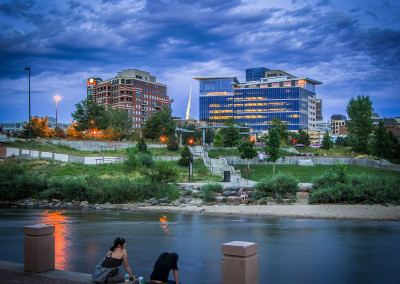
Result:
{"points": [[216, 166]]}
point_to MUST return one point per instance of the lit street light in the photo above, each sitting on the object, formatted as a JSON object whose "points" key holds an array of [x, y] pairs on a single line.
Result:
{"points": [[57, 98], [29, 125]]}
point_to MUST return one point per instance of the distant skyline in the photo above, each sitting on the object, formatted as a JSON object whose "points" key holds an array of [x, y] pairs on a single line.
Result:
{"points": [[351, 46]]}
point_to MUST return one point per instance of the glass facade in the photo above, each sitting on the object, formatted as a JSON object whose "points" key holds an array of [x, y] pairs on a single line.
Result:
{"points": [[255, 74], [216, 99]]}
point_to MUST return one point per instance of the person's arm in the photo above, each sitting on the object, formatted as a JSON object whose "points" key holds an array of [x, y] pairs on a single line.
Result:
{"points": [[126, 265], [176, 276]]}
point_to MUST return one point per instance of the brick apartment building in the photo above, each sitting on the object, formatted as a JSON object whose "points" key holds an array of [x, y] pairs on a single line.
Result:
{"points": [[133, 90]]}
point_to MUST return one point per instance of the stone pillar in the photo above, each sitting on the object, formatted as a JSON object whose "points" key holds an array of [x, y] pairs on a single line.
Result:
{"points": [[204, 136], [240, 263], [39, 248]]}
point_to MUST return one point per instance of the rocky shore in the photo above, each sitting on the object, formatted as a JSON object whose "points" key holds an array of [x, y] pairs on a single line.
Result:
{"points": [[197, 206]]}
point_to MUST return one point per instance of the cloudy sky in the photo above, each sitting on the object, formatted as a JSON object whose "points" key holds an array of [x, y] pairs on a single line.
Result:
{"points": [[352, 46]]}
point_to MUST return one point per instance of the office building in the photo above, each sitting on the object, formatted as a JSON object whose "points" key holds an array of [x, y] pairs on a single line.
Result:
{"points": [[255, 74], [16, 127], [133, 90], [338, 117], [91, 86], [278, 95], [318, 110]]}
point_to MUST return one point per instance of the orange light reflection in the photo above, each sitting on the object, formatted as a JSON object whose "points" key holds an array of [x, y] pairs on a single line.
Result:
{"points": [[60, 222], [164, 224]]}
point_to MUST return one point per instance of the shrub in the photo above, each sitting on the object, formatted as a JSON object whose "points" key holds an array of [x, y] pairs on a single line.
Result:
{"points": [[330, 178], [208, 194], [146, 160], [215, 187], [142, 146], [169, 191], [186, 158], [276, 186], [163, 173], [203, 170], [68, 188], [172, 143], [132, 161]]}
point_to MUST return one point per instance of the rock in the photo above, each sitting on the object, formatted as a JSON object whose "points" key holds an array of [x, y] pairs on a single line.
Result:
{"points": [[163, 204], [175, 202], [84, 203], [231, 188], [45, 201], [30, 204], [195, 191], [56, 201], [107, 203], [188, 200], [182, 200], [154, 202], [162, 200], [229, 193], [202, 210]]}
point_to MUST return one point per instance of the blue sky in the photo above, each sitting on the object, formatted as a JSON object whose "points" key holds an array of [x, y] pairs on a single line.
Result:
{"points": [[353, 47]]}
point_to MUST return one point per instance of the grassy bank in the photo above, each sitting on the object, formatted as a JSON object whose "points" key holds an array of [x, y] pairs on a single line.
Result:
{"points": [[305, 174]]}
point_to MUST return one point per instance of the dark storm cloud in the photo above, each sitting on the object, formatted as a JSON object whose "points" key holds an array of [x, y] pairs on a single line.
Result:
{"points": [[314, 38]]}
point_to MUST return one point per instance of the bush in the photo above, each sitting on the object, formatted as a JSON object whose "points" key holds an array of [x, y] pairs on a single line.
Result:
{"points": [[172, 143], [132, 161], [186, 158], [207, 193], [169, 191], [68, 188], [146, 160], [142, 146], [163, 173], [215, 187], [276, 186], [330, 178]]}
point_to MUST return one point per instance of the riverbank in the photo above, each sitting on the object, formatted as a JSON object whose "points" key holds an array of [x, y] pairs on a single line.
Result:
{"points": [[330, 212]]}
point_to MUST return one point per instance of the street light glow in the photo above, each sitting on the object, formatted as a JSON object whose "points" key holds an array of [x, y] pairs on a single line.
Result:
{"points": [[57, 98]]}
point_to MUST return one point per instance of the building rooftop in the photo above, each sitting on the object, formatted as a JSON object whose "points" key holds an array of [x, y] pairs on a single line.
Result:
{"points": [[216, 77]]}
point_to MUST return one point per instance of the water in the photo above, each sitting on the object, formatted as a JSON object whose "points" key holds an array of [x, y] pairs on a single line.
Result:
{"points": [[290, 250]]}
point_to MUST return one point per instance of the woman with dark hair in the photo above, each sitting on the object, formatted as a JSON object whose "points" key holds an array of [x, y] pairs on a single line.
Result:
{"points": [[164, 264], [115, 256]]}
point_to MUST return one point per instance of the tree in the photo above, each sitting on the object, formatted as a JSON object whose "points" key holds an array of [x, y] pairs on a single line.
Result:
{"points": [[111, 134], [230, 136], [72, 133], [218, 140], [274, 146], [247, 151], [159, 124], [142, 146], [327, 142], [172, 143], [90, 115], [186, 157], [120, 120], [39, 128], [395, 145], [341, 141], [304, 138], [59, 132], [382, 144], [282, 129], [360, 123]]}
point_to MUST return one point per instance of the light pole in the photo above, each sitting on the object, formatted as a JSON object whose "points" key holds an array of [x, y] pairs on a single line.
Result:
{"points": [[29, 125], [57, 98]]}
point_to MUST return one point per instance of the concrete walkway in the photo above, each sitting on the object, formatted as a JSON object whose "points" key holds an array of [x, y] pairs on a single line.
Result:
{"points": [[11, 272]]}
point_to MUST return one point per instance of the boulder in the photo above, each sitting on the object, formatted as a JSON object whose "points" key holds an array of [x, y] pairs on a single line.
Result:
{"points": [[154, 202], [182, 200], [229, 193], [175, 202], [84, 203], [162, 200], [56, 201]]}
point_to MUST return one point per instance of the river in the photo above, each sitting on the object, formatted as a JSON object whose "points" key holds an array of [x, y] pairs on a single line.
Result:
{"points": [[289, 250]]}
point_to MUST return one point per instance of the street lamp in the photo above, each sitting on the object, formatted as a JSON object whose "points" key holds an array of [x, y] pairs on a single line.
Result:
{"points": [[57, 98], [29, 70]]}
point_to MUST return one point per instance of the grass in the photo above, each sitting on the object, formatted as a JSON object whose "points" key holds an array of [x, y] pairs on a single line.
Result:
{"points": [[46, 146], [305, 174], [59, 169]]}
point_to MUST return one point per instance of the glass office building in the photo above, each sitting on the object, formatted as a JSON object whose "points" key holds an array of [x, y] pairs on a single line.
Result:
{"points": [[256, 103], [255, 74]]}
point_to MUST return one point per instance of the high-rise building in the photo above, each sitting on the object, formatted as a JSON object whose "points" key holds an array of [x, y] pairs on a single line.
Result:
{"points": [[318, 110], [278, 95], [255, 74], [91, 86], [133, 90]]}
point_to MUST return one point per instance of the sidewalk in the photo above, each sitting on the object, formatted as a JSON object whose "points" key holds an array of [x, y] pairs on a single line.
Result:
{"points": [[12, 272]]}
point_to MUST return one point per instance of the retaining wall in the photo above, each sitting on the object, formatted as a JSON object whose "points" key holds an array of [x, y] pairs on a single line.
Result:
{"points": [[235, 160], [96, 146]]}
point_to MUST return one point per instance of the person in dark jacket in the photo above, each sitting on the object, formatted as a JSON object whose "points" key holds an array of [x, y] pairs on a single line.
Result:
{"points": [[164, 264]]}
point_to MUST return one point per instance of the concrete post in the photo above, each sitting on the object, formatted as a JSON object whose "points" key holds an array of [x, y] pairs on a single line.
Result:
{"points": [[204, 136], [240, 263], [39, 248]]}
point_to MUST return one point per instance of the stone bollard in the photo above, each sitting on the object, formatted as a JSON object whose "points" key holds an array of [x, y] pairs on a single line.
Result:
{"points": [[240, 263], [39, 248]]}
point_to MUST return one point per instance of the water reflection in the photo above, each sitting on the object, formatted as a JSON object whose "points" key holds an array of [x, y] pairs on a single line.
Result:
{"points": [[59, 220], [164, 225]]}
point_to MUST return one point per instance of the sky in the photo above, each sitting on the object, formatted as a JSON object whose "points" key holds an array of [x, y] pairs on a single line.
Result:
{"points": [[352, 46]]}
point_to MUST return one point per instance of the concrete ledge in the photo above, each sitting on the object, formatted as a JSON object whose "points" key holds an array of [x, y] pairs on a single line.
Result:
{"points": [[58, 274]]}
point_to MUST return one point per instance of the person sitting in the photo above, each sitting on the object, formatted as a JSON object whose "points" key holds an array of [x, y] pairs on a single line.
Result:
{"points": [[243, 195], [164, 263], [116, 255]]}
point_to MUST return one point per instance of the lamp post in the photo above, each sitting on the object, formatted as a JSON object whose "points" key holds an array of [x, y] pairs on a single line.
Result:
{"points": [[29, 125], [57, 98]]}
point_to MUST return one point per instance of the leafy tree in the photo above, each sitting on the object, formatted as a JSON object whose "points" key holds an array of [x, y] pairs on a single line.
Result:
{"points": [[360, 123], [304, 138], [72, 133], [247, 151], [230, 136], [293, 138], [172, 143], [142, 146], [59, 132], [111, 134], [341, 141], [382, 144], [395, 145], [186, 157], [39, 128], [274, 145], [282, 129], [218, 140], [119, 119], [90, 115], [159, 124], [327, 142]]}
